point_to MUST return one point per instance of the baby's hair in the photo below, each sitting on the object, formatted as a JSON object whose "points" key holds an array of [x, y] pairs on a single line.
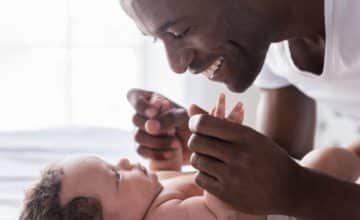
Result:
{"points": [[42, 201]]}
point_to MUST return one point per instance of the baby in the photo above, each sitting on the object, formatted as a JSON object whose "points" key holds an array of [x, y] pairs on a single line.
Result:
{"points": [[89, 188]]}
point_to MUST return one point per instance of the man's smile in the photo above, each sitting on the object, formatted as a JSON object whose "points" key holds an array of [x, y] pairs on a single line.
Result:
{"points": [[211, 71], [217, 45]]}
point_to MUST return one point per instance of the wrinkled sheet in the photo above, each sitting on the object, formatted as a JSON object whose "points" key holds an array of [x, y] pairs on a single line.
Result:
{"points": [[24, 154]]}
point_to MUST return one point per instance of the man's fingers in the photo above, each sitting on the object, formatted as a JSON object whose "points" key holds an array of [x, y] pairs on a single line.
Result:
{"points": [[174, 118], [142, 106], [140, 100], [196, 110], [134, 94], [208, 165], [152, 126], [155, 142], [164, 124], [150, 153], [139, 121], [218, 128], [210, 146], [208, 183]]}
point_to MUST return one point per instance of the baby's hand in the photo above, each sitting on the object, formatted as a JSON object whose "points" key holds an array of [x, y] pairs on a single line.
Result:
{"points": [[236, 115]]}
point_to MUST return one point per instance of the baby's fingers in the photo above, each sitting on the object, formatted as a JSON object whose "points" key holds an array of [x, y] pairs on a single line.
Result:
{"points": [[220, 106], [237, 114]]}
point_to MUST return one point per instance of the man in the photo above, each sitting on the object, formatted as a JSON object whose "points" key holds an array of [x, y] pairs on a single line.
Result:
{"points": [[311, 53]]}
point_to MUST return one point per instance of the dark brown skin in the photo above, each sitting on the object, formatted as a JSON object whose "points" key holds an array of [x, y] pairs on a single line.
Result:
{"points": [[280, 108], [241, 166], [160, 146]]}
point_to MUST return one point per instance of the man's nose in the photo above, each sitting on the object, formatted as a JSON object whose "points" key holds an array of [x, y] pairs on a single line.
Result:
{"points": [[179, 59]]}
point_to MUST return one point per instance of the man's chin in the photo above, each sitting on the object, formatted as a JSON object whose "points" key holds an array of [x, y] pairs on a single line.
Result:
{"points": [[237, 87]]}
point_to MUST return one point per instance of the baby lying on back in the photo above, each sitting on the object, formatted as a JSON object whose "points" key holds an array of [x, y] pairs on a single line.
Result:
{"points": [[89, 188]]}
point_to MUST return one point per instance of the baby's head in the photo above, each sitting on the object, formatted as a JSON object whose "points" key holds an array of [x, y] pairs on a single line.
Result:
{"points": [[88, 188]]}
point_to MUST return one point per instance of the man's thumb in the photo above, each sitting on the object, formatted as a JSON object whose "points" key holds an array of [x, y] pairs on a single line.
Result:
{"points": [[196, 110]]}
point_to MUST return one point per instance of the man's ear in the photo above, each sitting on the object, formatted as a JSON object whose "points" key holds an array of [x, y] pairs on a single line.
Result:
{"points": [[196, 110]]}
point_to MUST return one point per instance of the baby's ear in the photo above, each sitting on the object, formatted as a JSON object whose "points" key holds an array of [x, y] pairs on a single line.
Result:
{"points": [[237, 114], [196, 110]]}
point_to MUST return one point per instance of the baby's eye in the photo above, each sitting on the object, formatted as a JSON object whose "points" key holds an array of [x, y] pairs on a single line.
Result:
{"points": [[117, 174]]}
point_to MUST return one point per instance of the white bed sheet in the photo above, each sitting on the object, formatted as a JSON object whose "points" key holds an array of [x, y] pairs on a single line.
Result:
{"points": [[24, 154]]}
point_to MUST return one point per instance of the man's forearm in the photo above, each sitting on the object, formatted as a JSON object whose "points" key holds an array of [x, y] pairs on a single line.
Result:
{"points": [[322, 197], [291, 128]]}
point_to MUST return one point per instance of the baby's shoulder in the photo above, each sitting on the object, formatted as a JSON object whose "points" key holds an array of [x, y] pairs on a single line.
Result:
{"points": [[169, 209], [191, 208]]}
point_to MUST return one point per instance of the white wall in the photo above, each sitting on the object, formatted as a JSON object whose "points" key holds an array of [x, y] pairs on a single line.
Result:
{"points": [[187, 89]]}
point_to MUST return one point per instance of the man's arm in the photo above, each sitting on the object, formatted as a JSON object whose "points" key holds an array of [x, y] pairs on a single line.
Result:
{"points": [[226, 154], [288, 117], [322, 197]]}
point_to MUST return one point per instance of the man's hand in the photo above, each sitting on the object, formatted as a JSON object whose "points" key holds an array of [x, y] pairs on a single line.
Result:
{"points": [[161, 131], [241, 166]]}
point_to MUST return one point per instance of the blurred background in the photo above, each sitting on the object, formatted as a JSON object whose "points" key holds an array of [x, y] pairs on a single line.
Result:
{"points": [[65, 69]]}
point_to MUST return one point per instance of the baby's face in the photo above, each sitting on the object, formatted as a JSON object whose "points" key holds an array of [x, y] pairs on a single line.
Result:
{"points": [[125, 191]]}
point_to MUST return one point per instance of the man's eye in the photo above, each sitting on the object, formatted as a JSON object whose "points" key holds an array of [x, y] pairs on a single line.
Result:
{"points": [[180, 35]]}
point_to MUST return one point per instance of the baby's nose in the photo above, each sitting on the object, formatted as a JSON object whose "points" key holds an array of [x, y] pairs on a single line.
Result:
{"points": [[124, 164]]}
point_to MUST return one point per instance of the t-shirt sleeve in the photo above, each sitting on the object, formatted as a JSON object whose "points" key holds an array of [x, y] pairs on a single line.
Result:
{"points": [[269, 80]]}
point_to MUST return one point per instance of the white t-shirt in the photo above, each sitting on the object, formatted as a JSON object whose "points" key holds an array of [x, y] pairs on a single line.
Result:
{"points": [[339, 84]]}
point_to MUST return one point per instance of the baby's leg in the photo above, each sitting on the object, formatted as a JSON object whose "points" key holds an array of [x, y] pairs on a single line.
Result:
{"points": [[338, 162]]}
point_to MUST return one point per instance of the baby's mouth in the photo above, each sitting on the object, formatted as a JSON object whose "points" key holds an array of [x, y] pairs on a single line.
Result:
{"points": [[210, 72]]}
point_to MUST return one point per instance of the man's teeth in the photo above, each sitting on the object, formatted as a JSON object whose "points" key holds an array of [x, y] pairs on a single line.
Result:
{"points": [[209, 72]]}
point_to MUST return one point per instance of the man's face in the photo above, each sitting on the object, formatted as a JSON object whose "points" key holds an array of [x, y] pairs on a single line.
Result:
{"points": [[223, 41]]}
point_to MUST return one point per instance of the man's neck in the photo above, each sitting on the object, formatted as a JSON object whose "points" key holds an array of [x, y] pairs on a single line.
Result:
{"points": [[305, 20]]}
